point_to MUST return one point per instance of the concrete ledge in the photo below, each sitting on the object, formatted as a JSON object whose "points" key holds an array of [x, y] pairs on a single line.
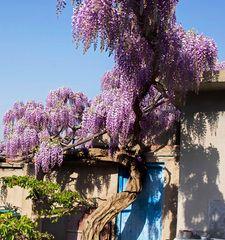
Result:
{"points": [[214, 85], [11, 165]]}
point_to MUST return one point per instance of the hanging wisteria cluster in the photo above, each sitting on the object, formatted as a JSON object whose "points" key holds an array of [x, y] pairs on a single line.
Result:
{"points": [[154, 59], [33, 128]]}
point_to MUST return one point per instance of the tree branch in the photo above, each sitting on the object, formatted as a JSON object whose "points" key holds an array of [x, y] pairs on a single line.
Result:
{"points": [[96, 221], [85, 140]]}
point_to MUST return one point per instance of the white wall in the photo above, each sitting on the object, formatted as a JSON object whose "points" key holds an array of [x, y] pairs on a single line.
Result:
{"points": [[201, 201]]}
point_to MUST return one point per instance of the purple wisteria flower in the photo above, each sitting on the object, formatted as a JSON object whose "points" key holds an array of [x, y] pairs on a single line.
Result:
{"points": [[33, 128], [48, 156]]}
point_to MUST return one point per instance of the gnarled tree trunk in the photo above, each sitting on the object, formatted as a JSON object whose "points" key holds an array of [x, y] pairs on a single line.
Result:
{"points": [[96, 221]]}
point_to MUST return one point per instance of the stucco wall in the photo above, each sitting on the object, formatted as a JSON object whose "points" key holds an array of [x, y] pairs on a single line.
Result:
{"points": [[93, 181], [201, 205], [15, 196], [98, 181]]}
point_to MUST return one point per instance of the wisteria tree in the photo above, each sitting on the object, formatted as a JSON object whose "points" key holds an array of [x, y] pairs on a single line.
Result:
{"points": [[155, 59]]}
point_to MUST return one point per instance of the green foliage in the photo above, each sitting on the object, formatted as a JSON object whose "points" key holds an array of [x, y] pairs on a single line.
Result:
{"points": [[49, 199], [14, 227]]}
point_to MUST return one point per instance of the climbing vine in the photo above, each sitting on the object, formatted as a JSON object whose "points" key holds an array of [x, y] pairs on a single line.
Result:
{"points": [[50, 201]]}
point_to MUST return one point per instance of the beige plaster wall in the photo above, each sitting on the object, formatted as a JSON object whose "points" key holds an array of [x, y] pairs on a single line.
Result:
{"points": [[99, 181], [95, 181], [201, 205], [15, 196]]}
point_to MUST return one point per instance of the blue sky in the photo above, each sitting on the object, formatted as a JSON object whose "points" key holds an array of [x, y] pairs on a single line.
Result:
{"points": [[37, 53]]}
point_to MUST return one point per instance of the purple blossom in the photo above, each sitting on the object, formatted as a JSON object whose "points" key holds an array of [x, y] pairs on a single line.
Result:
{"points": [[64, 109], [219, 66], [2, 147], [166, 53], [48, 156], [60, 5], [33, 127], [150, 48]]}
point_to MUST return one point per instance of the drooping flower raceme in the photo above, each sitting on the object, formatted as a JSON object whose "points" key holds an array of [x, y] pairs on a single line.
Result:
{"points": [[33, 128], [48, 156], [2, 147], [64, 109], [152, 51], [220, 66], [154, 58], [21, 126], [60, 5]]}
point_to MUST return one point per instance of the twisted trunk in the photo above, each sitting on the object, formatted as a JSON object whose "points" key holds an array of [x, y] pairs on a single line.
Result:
{"points": [[96, 221]]}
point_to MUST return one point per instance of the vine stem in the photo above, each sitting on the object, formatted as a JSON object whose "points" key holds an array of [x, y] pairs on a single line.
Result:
{"points": [[95, 222]]}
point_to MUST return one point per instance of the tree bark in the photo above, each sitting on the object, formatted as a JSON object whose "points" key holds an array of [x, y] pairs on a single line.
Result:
{"points": [[96, 221]]}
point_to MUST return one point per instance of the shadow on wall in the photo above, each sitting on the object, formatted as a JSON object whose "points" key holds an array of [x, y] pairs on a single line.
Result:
{"points": [[198, 181], [171, 193], [89, 181], [86, 179], [199, 168]]}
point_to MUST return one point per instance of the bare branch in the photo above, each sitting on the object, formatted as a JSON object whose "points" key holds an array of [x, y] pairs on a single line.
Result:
{"points": [[85, 140]]}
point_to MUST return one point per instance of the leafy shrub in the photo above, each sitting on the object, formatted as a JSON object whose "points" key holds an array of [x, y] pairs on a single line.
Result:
{"points": [[14, 227]]}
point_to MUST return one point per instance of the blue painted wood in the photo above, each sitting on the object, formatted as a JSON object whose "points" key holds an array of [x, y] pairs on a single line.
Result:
{"points": [[143, 219]]}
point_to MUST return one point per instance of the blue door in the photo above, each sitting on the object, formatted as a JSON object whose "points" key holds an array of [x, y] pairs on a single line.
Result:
{"points": [[143, 219]]}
